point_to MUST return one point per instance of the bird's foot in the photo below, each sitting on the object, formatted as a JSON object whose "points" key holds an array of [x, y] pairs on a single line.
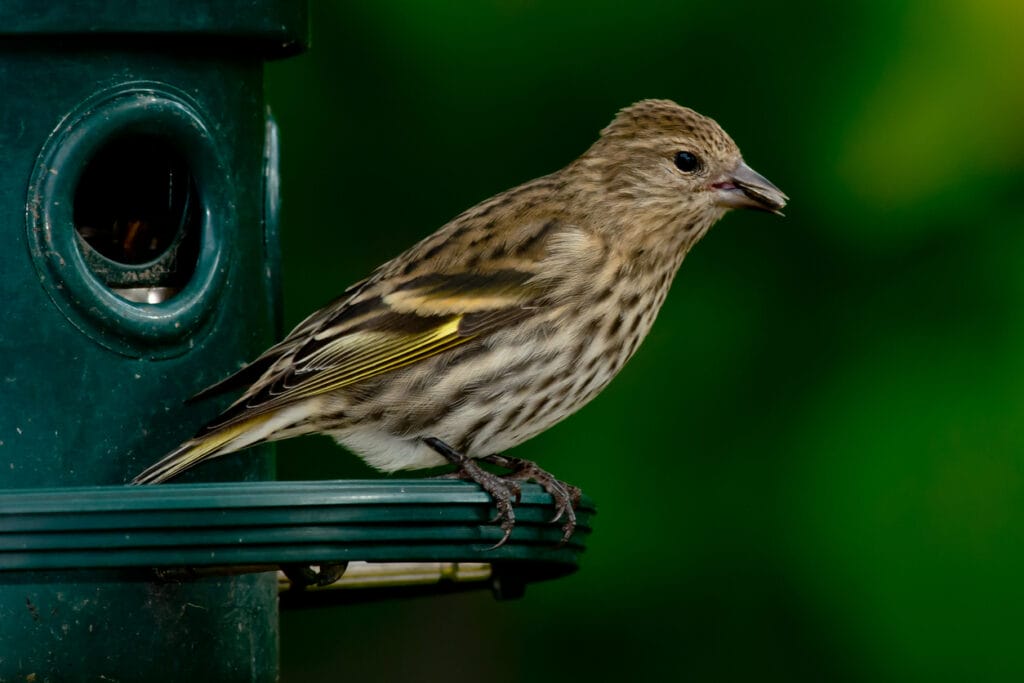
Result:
{"points": [[566, 496], [503, 491], [303, 575]]}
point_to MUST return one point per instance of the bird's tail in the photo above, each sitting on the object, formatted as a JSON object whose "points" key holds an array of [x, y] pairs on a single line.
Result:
{"points": [[226, 439]]}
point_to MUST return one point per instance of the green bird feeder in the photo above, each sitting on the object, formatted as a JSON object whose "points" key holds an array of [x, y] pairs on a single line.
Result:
{"points": [[138, 209]]}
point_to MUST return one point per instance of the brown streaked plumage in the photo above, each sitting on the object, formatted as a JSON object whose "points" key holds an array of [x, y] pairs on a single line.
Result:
{"points": [[506, 320]]}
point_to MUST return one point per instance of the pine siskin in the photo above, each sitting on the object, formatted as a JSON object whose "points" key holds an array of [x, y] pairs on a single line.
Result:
{"points": [[505, 321]]}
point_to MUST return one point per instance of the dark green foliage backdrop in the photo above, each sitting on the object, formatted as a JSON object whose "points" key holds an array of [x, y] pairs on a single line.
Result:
{"points": [[812, 470]]}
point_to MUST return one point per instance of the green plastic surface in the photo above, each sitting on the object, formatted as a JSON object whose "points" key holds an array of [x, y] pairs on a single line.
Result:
{"points": [[94, 385], [255, 523], [274, 28]]}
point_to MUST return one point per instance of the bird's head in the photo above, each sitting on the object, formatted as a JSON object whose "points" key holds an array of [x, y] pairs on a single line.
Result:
{"points": [[659, 161]]}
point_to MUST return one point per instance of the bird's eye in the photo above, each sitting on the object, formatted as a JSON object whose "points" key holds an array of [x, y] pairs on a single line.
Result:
{"points": [[687, 162]]}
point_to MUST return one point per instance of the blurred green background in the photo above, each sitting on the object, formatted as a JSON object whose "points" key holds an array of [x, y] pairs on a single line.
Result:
{"points": [[812, 470]]}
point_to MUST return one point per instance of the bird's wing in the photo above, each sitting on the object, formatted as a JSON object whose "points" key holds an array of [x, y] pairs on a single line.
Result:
{"points": [[252, 371], [382, 328]]}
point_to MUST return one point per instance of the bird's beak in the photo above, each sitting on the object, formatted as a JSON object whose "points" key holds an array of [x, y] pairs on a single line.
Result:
{"points": [[745, 188]]}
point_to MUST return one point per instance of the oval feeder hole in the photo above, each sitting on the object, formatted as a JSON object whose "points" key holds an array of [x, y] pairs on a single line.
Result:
{"points": [[137, 215], [129, 216]]}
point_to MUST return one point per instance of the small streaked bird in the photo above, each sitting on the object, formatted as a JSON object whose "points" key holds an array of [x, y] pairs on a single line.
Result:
{"points": [[502, 323]]}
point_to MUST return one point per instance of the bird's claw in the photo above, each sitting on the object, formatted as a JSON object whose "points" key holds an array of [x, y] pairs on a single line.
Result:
{"points": [[303, 575], [507, 488], [502, 491], [566, 497]]}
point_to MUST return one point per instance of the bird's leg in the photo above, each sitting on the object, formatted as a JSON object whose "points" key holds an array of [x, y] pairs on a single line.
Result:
{"points": [[502, 491], [566, 496]]}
